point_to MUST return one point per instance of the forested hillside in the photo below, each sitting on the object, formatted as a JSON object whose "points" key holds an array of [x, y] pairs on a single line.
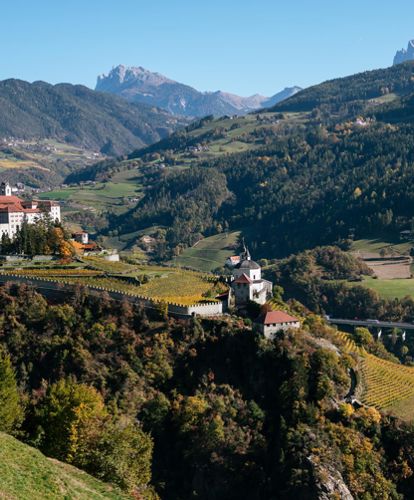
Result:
{"points": [[355, 89], [210, 407], [339, 167], [79, 116]]}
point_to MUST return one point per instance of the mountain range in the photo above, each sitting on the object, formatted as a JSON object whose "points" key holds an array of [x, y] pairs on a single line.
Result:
{"points": [[139, 85], [404, 55], [80, 116]]}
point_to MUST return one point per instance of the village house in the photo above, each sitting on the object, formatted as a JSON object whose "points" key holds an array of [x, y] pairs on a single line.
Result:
{"points": [[247, 284], [14, 211], [273, 322], [81, 237], [232, 261]]}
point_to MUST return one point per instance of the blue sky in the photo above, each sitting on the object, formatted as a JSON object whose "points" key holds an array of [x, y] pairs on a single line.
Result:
{"points": [[239, 46]]}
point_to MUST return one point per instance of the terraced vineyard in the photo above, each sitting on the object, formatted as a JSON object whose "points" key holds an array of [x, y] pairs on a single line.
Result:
{"points": [[383, 384], [167, 284], [387, 385]]}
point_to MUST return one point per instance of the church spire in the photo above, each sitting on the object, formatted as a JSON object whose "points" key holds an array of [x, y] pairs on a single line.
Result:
{"points": [[246, 254]]}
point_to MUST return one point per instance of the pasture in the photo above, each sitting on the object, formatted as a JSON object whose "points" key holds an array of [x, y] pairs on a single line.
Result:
{"points": [[209, 253], [391, 288]]}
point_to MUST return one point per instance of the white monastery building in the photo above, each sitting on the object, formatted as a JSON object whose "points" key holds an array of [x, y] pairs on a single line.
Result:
{"points": [[275, 321], [247, 284], [14, 211]]}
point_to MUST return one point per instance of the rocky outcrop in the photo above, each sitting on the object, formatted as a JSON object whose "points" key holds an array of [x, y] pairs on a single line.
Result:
{"points": [[328, 481], [404, 55], [137, 84]]}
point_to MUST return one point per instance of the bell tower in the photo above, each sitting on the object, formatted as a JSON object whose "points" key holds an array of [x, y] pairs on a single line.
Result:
{"points": [[5, 189]]}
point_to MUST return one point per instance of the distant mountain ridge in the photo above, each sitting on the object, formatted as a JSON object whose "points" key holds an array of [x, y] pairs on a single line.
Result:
{"points": [[404, 55], [80, 116], [137, 84]]}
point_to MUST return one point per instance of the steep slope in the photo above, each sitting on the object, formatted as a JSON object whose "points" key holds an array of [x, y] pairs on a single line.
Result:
{"points": [[140, 85], [334, 94], [26, 474], [79, 116]]}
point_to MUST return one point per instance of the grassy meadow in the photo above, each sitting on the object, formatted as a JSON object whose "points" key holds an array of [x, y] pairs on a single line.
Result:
{"points": [[26, 474], [391, 289], [375, 245], [209, 253]]}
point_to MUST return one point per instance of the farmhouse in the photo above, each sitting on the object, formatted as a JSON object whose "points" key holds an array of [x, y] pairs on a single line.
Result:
{"points": [[247, 284], [275, 321], [14, 211]]}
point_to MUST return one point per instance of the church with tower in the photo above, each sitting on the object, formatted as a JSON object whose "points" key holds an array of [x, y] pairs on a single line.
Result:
{"points": [[247, 283]]}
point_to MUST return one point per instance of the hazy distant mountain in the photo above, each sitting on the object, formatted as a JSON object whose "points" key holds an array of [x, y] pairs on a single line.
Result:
{"points": [[80, 116], [140, 85], [404, 55]]}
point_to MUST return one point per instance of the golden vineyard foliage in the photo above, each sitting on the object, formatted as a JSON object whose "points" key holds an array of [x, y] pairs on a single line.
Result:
{"points": [[383, 384], [183, 287]]}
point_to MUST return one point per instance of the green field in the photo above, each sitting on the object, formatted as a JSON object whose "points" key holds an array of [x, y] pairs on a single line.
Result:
{"points": [[101, 196], [209, 253], [374, 245], [391, 289], [26, 474]]}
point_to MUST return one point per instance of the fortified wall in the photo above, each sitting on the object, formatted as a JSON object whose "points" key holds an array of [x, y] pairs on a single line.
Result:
{"points": [[50, 288]]}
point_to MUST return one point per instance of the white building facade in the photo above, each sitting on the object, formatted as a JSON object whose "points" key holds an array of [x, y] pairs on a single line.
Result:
{"points": [[275, 321], [247, 284], [14, 211]]}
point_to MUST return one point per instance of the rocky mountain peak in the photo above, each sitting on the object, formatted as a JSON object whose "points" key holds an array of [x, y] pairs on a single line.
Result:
{"points": [[138, 84], [122, 76], [404, 55]]}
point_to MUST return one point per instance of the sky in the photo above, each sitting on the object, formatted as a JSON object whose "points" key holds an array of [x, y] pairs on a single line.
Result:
{"points": [[239, 46]]}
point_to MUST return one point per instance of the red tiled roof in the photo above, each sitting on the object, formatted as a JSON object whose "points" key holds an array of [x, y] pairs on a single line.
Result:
{"points": [[11, 207], [243, 279], [7, 200], [277, 317], [15, 204]]}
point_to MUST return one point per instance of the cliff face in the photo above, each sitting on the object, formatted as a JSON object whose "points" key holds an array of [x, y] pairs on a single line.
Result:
{"points": [[404, 55], [137, 84], [328, 482]]}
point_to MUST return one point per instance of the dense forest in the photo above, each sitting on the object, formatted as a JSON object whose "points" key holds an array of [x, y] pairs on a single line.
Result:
{"points": [[192, 409], [335, 94], [315, 187], [80, 116]]}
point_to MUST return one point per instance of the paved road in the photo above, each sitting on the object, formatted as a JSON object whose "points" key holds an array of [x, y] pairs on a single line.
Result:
{"points": [[370, 323]]}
